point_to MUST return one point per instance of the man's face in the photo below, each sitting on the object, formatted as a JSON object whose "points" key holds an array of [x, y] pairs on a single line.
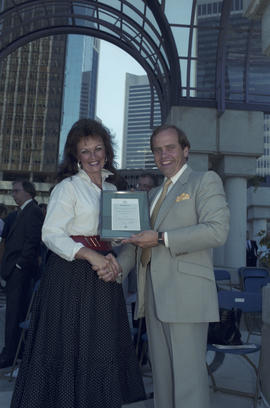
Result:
{"points": [[19, 195], [145, 183], [169, 155]]}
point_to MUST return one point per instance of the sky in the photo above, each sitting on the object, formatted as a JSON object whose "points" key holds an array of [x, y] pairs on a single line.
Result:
{"points": [[113, 65]]}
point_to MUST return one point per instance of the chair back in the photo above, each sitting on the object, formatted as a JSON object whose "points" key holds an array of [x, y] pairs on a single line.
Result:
{"points": [[250, 271], [255, 284], [222, 274], [245, 301]]}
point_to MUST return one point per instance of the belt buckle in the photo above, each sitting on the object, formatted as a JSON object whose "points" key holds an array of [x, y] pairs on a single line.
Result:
{"points": [[92, 243]]}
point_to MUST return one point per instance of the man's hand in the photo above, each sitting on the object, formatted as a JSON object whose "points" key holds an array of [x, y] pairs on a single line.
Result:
{"points": [[111, 271], [145, 239]]}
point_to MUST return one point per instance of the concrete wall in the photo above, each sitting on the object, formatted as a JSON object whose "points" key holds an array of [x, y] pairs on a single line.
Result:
{"points": [[235, 133], [230, 145]]}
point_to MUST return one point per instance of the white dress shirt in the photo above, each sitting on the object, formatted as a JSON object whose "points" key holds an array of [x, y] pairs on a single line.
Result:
{"points": [[73, 209], [25, 203]]}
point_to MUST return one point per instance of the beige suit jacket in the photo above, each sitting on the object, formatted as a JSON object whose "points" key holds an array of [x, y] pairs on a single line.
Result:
{"points": [[195, 216]]}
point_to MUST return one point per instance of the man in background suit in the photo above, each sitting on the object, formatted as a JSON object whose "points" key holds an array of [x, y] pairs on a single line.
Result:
{"points": [[20, 263], [251, 252], [176, 284]]}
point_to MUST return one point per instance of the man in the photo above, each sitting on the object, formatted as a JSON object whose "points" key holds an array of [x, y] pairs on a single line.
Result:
{"points": [[251, 252], [146, 182], [176, 284], [20, 263]]}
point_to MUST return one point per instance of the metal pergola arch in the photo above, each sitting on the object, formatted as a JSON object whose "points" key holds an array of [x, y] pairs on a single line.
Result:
{"points": [[144, 30], [156, 53]]}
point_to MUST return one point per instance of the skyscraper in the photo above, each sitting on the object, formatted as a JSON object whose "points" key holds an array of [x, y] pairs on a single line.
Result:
{"points": [[30, 108], [80, 84], [45, 86], [137, 125]]}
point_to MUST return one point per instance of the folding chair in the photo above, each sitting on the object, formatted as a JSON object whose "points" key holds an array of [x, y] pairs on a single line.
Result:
{"points": [[251, 272], [246, 302], [255, 284], [24, 326], [254, 320], [223, 276]]}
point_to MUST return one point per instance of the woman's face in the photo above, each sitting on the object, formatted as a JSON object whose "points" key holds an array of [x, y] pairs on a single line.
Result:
{"points": [[91, 154]]}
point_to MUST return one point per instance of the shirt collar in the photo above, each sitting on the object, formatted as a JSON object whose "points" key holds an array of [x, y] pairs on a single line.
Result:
{"points": [[179, 173], [104, 174], [25, 204]]}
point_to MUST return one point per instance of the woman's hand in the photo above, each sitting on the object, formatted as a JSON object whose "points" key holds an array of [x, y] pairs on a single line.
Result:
{"points": [[111, 271], [106, 267]]}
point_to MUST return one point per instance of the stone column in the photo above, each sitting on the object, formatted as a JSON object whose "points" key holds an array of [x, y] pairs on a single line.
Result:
{"points": [[235, 247]]}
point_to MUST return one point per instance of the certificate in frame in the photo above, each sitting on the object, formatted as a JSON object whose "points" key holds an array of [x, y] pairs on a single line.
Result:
{"points": [[123, 213]]}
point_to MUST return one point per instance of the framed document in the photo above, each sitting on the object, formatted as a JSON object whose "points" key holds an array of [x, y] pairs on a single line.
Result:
{"points": [[123, 213]]}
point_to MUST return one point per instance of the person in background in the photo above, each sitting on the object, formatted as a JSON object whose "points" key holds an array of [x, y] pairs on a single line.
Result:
{"points": [[79, 351], [146, 182], [43, 249], [3, 213], [251, 252], [19, 263], [176, 283]]}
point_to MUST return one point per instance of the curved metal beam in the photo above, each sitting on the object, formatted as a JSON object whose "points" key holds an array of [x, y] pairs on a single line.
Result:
{"points": [[163, 74], [221, 56], [170, 46]]}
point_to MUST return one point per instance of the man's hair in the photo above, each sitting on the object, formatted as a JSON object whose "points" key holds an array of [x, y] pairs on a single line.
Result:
{"points": [[182, 138], [149, 175], [27, 186]]}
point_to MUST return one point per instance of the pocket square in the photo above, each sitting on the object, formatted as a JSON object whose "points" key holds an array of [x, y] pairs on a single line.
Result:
{"points": [[183, 196]]}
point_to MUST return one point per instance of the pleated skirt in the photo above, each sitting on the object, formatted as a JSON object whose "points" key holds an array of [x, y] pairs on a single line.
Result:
{"points": [[79, 351]]}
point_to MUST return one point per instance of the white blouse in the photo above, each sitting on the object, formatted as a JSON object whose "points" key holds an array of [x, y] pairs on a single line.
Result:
{"points": [[73, 209]]}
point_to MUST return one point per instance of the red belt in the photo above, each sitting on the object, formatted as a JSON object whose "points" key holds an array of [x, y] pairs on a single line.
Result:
{"points": [[92, 242]]}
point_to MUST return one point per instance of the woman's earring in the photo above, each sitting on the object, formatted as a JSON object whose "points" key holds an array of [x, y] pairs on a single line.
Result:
{"points": [[79, 164]]}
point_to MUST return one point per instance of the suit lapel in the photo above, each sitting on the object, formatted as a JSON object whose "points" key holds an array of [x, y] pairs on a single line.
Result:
{"points": [[18, 218], [176, 190]]}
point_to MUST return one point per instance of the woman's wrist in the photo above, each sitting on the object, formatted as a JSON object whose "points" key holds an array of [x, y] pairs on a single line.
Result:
{"points": [[84, 253]]}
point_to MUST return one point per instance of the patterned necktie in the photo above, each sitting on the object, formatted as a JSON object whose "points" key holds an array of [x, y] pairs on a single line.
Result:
{"points": [[146, 252]]}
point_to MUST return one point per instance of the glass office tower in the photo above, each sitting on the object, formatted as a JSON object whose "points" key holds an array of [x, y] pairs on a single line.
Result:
{"points": [[31, 81], [80, 84], [45, 86], [137, 123]]}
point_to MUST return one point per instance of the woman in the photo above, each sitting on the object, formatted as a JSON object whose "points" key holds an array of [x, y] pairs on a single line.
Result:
{"points": [[79, 352]]}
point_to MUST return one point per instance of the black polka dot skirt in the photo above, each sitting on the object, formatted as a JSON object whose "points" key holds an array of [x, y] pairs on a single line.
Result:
{"points": [[78, 351]]}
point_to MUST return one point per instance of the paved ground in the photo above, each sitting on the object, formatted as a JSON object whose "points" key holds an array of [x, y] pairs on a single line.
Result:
{"points": [[234, 372]]}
